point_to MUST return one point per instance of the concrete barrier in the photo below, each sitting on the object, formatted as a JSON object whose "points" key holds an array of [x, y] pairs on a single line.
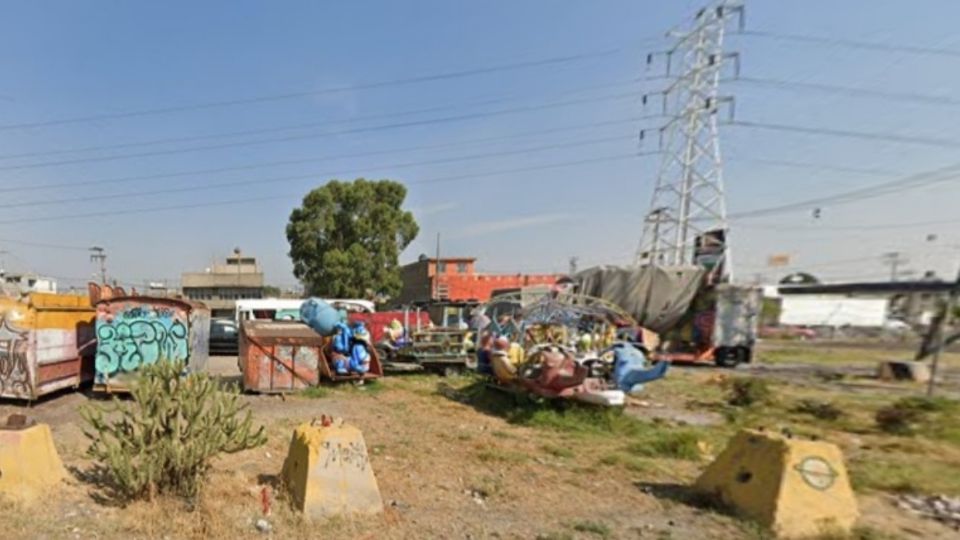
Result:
{"points": [[797, 488], [903, 371], [327, 471], [29, 464]]}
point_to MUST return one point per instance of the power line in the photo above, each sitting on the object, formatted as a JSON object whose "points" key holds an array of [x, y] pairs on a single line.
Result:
{"points": [[399, 125], [114, 212], [266, 164], [292, 127], [869, 171], [557, 60], [871, 227], [851, 43], [799, 86], [920, 179], [904, 139], [42, 245], [165, 191]]}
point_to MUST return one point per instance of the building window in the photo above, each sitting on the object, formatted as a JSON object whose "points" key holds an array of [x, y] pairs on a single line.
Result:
{"points": [[441, 268], [461, 268]]}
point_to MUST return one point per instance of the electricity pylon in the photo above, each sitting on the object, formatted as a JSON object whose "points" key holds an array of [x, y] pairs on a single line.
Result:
{"points": [[688, 210]]}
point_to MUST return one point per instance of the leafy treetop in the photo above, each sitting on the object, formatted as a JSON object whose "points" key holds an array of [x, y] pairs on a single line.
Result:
{"points": [[346, 238]]}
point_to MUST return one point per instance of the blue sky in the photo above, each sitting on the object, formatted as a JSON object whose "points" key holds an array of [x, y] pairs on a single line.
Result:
{"points": [[77, 59]]}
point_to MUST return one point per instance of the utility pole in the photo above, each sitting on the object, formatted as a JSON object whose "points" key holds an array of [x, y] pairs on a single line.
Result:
{"points": [[573, 265], [688, 198], [436, 273], [894, 259], [98, 255], [945, 321]]}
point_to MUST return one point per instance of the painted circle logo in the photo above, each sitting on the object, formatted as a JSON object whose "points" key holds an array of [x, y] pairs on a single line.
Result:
{"points": [[817, 473]]}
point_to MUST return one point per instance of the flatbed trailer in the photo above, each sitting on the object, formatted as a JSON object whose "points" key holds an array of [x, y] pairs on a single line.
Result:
{"points": [[720, 328], [438, 350]]}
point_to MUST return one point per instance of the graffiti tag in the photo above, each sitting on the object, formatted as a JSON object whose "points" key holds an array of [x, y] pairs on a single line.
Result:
{"points": [[139, 336], [14, 367], [353, 454]]}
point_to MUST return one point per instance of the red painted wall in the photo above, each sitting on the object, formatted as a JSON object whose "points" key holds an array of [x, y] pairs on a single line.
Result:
{"points": [[480, 286]]}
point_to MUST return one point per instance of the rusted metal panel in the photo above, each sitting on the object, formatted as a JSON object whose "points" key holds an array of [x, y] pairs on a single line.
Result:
{"points": [[288, 356], [279, 356], [133, 331]]}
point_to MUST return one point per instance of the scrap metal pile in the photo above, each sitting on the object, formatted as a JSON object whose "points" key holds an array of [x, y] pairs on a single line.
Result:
{"points": [[563, 345]]}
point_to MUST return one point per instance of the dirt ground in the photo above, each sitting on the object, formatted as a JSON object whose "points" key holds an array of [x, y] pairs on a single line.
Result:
{"points": [[449, 468]]}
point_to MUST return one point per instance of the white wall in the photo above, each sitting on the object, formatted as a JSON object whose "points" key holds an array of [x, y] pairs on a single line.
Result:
{"points": [[829, 310]]}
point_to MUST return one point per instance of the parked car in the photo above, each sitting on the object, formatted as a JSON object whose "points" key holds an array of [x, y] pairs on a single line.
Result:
{"points": [[224, 337]]}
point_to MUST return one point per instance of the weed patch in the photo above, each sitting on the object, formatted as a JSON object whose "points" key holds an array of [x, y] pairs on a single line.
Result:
{"points": [[904, 474], [823, 410], [557, 451], [595, 528], [315, 392], [907, 416], [669, 444], [745, 392]]}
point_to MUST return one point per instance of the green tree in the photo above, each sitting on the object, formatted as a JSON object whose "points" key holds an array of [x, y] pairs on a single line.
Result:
{"points": [[347, 236], [271, 291]]}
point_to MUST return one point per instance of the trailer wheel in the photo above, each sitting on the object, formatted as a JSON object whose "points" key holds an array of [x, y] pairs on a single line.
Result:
{"points": [[452, 371], [730, 357]]}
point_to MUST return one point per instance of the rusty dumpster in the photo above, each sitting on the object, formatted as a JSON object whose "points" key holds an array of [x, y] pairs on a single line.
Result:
{"points": [[46, 344], [287, 356], [133, 331]]}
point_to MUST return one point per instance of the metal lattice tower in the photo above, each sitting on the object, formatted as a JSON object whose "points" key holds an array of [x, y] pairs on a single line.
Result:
{"points": [[688, 200]]}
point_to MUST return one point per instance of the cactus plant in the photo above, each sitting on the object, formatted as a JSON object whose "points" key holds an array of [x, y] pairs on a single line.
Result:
{"points": [[165, 440]]}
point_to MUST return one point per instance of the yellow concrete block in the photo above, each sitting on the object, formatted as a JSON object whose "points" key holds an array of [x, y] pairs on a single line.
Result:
{"points": [[797, 488], [30, 467], [327, 472]]}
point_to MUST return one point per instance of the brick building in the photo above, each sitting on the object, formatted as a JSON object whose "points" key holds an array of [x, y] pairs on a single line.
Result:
{"points": [[455, 279]]}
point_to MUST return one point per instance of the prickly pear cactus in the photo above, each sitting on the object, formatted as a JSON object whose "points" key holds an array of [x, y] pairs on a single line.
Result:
{"points": [[164, 441]]}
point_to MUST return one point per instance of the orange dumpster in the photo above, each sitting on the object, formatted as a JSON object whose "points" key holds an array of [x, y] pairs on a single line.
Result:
{"points": [[287, 356]]}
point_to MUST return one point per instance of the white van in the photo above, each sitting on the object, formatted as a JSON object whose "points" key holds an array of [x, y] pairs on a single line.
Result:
{"points": [[287, 309]]}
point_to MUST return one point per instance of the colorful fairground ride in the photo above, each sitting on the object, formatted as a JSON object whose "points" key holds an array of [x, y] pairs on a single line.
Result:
{"points": [[563, 345]]}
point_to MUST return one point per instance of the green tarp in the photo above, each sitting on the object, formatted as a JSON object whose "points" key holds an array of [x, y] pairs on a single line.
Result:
{"points": [[657, 297]]}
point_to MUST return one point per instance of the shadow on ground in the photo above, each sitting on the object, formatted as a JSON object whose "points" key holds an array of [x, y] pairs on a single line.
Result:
{"points": [[522, 408], [686, 495], [102, 489]]}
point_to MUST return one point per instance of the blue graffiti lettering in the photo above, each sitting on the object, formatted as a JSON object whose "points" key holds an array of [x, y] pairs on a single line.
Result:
{"points": [[137, 337]]}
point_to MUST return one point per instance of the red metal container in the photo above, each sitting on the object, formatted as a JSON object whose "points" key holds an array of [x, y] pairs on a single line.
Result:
{"points": [[376, 322], [282, 356]]}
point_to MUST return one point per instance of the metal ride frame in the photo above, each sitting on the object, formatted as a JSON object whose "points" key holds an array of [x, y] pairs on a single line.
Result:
{"points": [[563, 308]]}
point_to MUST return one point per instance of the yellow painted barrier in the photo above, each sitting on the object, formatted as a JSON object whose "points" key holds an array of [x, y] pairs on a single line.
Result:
{"points": [[327, 471], [30, 467], [797, 488]]}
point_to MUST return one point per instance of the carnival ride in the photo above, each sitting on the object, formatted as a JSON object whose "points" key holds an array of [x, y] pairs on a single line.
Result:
{"points": [[564, 345]]}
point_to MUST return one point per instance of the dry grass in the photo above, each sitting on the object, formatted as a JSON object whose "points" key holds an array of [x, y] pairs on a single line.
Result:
{"points": [[440, 445]]}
